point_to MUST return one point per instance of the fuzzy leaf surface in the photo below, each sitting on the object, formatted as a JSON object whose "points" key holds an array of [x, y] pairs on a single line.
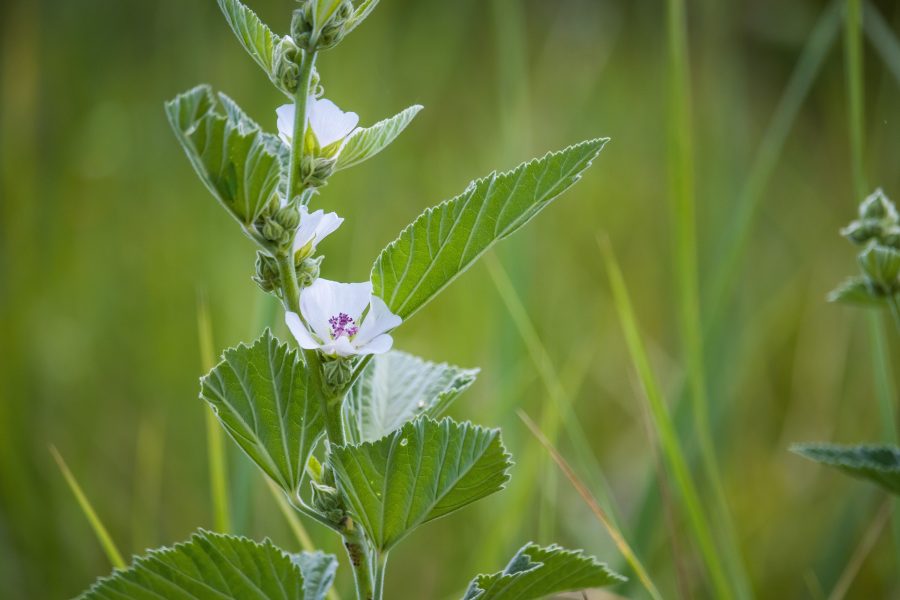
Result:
{"points": [[447, 239], [397, 387], [419, 473], [535, 572], [256, 38], [856, 290], [270, 405], [210, 565], [318, 571], [876, 462], [364, 143], [239, 163]]}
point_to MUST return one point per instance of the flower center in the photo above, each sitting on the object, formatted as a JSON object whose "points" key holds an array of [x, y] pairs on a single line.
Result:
{"points": [[342, 324]]}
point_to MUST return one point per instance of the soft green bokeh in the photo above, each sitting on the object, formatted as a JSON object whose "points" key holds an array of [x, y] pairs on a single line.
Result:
{"points": [[106, 236]]}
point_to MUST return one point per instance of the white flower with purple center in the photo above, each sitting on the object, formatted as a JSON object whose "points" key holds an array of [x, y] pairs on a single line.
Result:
{"points": [[313, 228], [328, 123], [342, 319]]}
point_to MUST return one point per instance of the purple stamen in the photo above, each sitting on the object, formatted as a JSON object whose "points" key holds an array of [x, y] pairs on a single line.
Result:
{"points": [[342, 324]]}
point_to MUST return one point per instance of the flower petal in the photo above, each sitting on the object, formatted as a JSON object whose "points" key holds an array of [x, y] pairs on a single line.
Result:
{"points": [[325, 299], [328, 122], [379, 345], [379, 320], [285, 114], [314, 227], [298, 329]]}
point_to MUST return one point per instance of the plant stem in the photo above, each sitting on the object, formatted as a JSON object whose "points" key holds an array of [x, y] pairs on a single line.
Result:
{"points": [[894, 304], [301, 99], [380, 568], [360, 559]]}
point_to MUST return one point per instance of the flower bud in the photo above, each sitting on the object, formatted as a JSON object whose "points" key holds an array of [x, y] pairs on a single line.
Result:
{"points": [[327, 500], [266, 276], [877, 206], [891, 237], [286, 65], [881, 266], [860, 232], [272, 231], [308, 270], [315, 171], [337, 370], [288, 217], [302, 25]]}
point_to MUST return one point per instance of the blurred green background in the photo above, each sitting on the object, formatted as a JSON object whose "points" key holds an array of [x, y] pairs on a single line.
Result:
{"points": [[107, 237]]}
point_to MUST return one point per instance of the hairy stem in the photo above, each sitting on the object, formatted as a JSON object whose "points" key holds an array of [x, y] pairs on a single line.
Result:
{"points": [[301, 100], [360, 559], [380, 568]]}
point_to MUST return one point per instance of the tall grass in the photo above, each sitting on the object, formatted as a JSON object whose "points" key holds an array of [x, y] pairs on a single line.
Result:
{"points": [[684, 230], [665, 430]]}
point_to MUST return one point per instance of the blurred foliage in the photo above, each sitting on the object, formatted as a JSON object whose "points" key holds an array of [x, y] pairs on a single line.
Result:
{"points": [[106, 236]]}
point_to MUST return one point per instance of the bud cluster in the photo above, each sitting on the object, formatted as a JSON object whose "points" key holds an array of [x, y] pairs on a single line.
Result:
{"points": [[312, 31], [877, 230], [315, 170], [325, 497]]}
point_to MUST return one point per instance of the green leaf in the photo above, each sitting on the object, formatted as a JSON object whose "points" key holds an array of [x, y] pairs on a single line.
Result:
{"points": [[318, 571], [421, 472], [240, 164], [212, 565], [397, 387], [364, 143], [856, 290], [271, 406], [535, 572], [445, 240], [877, 462], [256, 38]]}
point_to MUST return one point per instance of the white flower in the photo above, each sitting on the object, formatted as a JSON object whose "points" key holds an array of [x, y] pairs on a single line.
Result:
{"points": [[333, 319], [313, 228], [328, 123]]}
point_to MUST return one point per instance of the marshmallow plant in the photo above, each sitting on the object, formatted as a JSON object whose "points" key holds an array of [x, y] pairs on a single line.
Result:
{"points": [[347, 427]]}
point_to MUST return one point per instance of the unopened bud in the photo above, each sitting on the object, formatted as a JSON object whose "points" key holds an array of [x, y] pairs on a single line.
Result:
{"points": [[272, 231], [338, 371], [891, 237], [286, 65], [288, 217], [877, 206], [302, 26], [860, 232], [315, 171], [881, 265], [308, 271], [266, 276]]}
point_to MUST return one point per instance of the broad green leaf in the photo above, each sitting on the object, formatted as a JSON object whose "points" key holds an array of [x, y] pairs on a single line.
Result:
{"points": [[535, 572], [270, 404], [212, 565], [877, 462], [856, 290], [421, 472], [364, 143], [240, 164], [397, 387], [256, 38], [445, 240], [318, 571]]}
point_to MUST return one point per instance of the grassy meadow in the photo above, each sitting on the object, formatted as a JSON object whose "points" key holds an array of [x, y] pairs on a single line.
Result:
{"points": [[685, 275]]}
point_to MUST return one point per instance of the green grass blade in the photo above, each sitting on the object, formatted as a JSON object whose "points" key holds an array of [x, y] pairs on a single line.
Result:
{"points": [[883, 38], [684, 221], [109, 546], [853, 61], [665, 430], [592, 503], [215, 446]]}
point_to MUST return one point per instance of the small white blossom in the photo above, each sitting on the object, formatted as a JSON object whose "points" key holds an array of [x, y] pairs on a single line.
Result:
{"points": [[313, 228], [328, 122], [335, 319]]}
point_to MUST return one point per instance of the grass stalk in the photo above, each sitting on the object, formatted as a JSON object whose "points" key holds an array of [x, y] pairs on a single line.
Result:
{"points": [[684, 221], [106, 541], [853, 62], [665, 429], [594, 506], [215, 445], [862, 551]]}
